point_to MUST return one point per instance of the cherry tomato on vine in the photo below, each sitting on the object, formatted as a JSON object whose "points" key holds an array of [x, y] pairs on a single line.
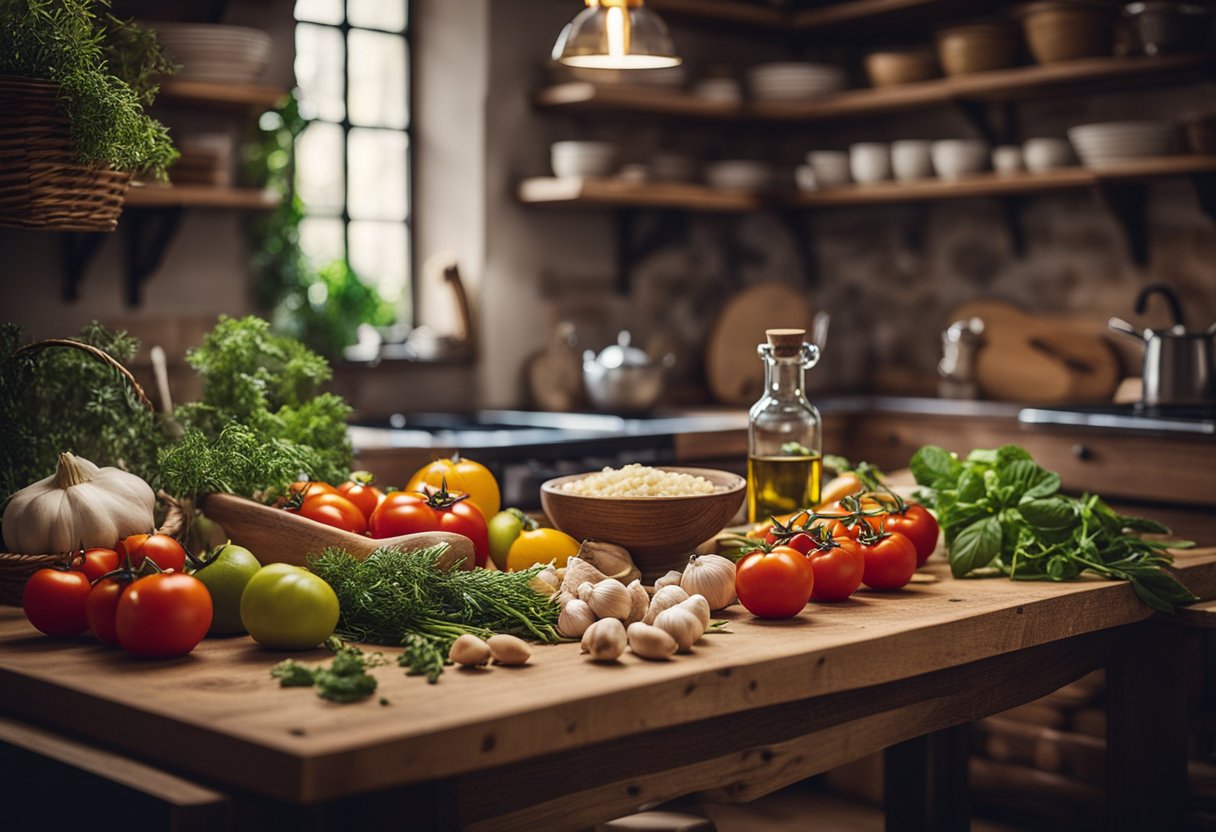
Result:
{"points": [[311, 488], [333, 509], [461, 475], [163, 616], [161, 549], [801, 542], [101, 607], [836, 526], [890, 562], [98, 562], [918, 525], [360, 491], [405, 513], [838, 569], [774, 584], [53, 600]]}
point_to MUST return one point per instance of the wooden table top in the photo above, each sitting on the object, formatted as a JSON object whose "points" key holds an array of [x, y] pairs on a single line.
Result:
{"points": [[218, 714]]}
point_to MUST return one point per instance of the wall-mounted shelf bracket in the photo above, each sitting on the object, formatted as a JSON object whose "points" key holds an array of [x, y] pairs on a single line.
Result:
{"points": [[78, 250], [149, 232], [1128, 204], [669, 228]]}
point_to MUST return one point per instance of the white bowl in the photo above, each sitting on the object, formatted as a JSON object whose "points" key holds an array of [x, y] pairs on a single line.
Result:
{"points": [[739, 175], [870, 162], [1007, 159], [831, 167], [579, 159], [1046, 153], [794, 81], [1107, 143], [955, 158], [910, 159]]}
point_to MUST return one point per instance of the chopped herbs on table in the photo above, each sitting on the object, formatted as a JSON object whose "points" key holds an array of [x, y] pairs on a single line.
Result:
{"points": [[345, 680], [999, 509], [403, 598]]}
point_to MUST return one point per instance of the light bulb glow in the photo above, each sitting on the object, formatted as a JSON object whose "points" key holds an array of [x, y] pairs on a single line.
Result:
{"points": [[616, 32]]}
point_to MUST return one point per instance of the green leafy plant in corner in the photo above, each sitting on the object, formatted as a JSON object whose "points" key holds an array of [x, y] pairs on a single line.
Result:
{"points": [[1000, 509], [323, 307], [106, 70]]}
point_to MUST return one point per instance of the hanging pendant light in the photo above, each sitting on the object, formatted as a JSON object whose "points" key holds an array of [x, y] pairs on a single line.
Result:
{"points": [[616, 34]]}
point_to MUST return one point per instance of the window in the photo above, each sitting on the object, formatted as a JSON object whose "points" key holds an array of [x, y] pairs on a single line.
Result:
{"points": [[353, 160]]}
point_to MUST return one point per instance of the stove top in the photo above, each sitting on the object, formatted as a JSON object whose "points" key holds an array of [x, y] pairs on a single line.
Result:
{"points": [[1195, 420]]}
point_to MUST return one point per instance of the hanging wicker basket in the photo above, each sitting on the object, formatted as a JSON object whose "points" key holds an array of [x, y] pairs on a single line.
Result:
{"points": [[41, 184], [16, 568]]}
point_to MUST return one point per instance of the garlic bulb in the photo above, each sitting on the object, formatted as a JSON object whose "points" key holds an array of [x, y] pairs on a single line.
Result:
{"points": [[578, 572], [509, 650], [584, 591], [712, 576], [610, 599], [546, 581], [575, 618], [614, 561], [639, 602], [469, 650], [650, 642], [605, 640], [671, 578], [682, 625], [665, 598], [698, 606]]}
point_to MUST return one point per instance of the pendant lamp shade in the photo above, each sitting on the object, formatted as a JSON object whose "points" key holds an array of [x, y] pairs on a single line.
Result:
{"points": [[616, 34]]}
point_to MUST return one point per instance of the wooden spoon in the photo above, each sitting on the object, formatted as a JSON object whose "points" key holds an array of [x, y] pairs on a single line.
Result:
{"points": [[278, 536]]}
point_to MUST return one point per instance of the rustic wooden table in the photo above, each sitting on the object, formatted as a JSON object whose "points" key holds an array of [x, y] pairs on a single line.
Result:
{"points": [[563, 743]]}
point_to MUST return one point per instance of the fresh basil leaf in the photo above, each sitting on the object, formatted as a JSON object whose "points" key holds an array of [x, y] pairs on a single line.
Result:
{"points": [[1029, 479], [934, 466], [1141, 524], [1008, 454], [970, 487], [975, 546], [1051, 513], [1159, 589], [984, 456]]}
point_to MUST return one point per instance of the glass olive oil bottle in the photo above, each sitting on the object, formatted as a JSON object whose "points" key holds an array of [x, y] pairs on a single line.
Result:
{"points": [[784, 434]]}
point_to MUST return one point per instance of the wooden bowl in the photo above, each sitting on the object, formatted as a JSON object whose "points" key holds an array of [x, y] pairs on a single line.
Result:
{"points": [[278, 536], [660, 532], [1064, 30], [977, 47], [891, 67]]}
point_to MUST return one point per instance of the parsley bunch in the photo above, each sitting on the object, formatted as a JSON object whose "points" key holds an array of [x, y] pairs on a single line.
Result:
{"points": [[999, 508]]}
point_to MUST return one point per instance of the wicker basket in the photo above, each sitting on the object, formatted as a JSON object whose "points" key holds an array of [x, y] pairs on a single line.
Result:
{"points": [[41, 184], [15, 569]]}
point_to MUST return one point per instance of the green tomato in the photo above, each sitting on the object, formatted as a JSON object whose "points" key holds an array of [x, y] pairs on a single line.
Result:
{"points": [[225, 574], [288, 608], [503, 529]]}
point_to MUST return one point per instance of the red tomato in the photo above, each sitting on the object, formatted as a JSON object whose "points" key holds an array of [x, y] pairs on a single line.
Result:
{"points": [[102, 606], [774, 584], [163, 550], [98, 562], [919, 526], [334, 510], [890, 562], [54, 599], [360, 491], [311, 488], [403, 513], [801, 543], [163, 616], [837, 526], [838, 569]]}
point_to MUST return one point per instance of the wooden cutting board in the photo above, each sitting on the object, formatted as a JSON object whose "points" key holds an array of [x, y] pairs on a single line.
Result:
{"points": [[1041, 359], [733, 370]]}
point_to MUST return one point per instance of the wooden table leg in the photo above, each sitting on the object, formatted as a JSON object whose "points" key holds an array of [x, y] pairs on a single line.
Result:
{"points": [[905, 787], [1148, 709], [925, 784]]}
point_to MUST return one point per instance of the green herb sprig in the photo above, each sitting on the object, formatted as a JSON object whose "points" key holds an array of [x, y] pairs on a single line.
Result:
{"points": [[404, 598], [345, 680], [998, 508]]}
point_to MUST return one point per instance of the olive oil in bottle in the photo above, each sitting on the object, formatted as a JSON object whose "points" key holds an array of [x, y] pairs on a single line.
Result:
{"points": [[784, 436]]}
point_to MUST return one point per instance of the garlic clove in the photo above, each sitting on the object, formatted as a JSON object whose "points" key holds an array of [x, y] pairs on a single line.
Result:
{"points": [[605, 640], [584, 591], [609, 599], [665, 598], [612, 560], [578, 572], [509, 650], [650, 642], [712, 576], [469, 651], [682, 625], [670, 579], [576, 616], [699, 607], [639, 602]]}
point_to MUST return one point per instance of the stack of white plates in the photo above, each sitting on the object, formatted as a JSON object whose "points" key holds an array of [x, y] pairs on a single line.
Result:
{"points": [[214, 52], [740, 175], [1113, 142], [794, 81], [674, 76]]}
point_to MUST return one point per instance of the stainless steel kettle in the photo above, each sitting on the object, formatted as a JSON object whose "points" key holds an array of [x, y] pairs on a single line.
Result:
{"points": [[1178, 363]]}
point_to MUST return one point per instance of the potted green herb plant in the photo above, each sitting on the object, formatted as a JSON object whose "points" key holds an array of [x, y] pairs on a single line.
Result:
{"points": [[75, 83]]}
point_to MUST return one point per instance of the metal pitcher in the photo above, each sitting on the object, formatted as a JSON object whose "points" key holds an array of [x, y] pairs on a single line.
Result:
{"points": [[1177, 361]]}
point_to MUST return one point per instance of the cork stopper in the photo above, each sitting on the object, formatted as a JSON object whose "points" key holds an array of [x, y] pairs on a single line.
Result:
{"points": [[785, 342]]}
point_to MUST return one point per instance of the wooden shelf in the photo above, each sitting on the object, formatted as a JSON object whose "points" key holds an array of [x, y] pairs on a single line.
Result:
{"points": [[200, 196], [220, 96], [758, 15], [1001, 85], [608, 192]]}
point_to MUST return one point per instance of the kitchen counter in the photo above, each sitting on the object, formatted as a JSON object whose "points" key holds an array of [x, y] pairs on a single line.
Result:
{"points": [[563, 743]]}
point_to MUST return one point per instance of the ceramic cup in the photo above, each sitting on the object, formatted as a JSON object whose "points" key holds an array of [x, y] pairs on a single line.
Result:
{"points": [[831, 167], [1047, 153], [910, 159], [1007, 159], [955, 158], [870, 162]]}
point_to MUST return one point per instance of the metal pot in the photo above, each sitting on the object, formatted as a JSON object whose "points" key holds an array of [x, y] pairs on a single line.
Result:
{"points": [[1178, 363], [624, 379]]}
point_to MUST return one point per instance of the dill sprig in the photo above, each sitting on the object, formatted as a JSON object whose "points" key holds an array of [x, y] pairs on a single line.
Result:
{"points": [[404, 598]]}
